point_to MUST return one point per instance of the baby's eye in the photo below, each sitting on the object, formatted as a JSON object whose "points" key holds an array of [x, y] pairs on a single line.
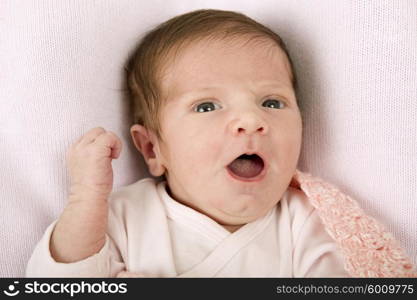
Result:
{"points": [[273, 103], [206, 107]]}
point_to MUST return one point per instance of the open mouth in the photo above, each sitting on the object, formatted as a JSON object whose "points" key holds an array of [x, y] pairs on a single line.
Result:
{"points": [[246, 167]]}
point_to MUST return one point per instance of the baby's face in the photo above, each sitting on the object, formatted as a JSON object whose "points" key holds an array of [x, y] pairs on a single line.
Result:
{"points": [[225, 100]]}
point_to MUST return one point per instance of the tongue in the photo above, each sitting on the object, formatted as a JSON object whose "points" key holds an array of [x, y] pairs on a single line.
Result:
{"points": [[245, 167]]}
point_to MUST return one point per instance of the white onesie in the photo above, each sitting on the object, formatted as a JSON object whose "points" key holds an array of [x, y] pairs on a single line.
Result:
{"points": [[151, 234]]}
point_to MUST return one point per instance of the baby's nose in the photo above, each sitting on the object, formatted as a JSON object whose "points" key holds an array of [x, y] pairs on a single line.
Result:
{"points": [[248, 123]]}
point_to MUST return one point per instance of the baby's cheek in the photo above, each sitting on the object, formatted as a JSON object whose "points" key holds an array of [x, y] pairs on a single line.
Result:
{"points": [[198, 148], [202, 158], [188, 159], [215, 152]]}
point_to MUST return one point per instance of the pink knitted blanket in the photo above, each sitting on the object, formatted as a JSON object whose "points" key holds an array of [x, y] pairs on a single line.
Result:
{"points": [[369, 250]]}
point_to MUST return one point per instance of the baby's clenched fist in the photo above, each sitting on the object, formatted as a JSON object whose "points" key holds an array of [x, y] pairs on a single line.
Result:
{"points": [[89, 163]]}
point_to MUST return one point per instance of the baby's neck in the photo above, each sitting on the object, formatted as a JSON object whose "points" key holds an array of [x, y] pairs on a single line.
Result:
{"points": [[231, 228]]}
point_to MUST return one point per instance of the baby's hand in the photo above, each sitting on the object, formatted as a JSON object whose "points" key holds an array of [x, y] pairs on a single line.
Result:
{"points": [[84, 219], [89, 163]]}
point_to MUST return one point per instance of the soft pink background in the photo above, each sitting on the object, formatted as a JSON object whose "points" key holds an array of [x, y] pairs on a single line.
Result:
{"points": [[60, 74]]}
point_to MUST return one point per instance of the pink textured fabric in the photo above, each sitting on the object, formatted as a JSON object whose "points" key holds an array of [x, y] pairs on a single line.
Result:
{"points": [[369, 250]]}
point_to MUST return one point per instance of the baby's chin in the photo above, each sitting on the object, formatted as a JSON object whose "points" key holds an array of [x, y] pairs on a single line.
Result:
{"points": [[241, 211]]}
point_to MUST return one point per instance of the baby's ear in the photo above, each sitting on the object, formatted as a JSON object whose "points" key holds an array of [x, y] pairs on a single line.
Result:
{"points": [[147, 143]]}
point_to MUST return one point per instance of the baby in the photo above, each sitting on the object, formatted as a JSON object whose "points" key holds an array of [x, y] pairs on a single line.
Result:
{"points": [[215, 114]]}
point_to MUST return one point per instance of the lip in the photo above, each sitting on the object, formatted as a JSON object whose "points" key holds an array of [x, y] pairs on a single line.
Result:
{"points": [[257, 178]]}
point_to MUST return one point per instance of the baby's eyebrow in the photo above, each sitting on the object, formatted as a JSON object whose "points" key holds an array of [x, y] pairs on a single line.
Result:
{"points": [[278, 86], [275, 85], [270, 87], [194, 93]]}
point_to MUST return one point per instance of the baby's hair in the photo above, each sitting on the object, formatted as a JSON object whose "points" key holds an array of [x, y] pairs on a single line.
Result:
{"points": [[144, 68]]}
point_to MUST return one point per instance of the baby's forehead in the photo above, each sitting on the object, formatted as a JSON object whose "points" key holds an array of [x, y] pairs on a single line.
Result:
{"points": [[257, 46], [205, 61]]}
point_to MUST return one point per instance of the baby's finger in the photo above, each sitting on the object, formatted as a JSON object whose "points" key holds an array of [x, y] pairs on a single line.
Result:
{"points": [[91, 135], [118, 146], [112, 142]]}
